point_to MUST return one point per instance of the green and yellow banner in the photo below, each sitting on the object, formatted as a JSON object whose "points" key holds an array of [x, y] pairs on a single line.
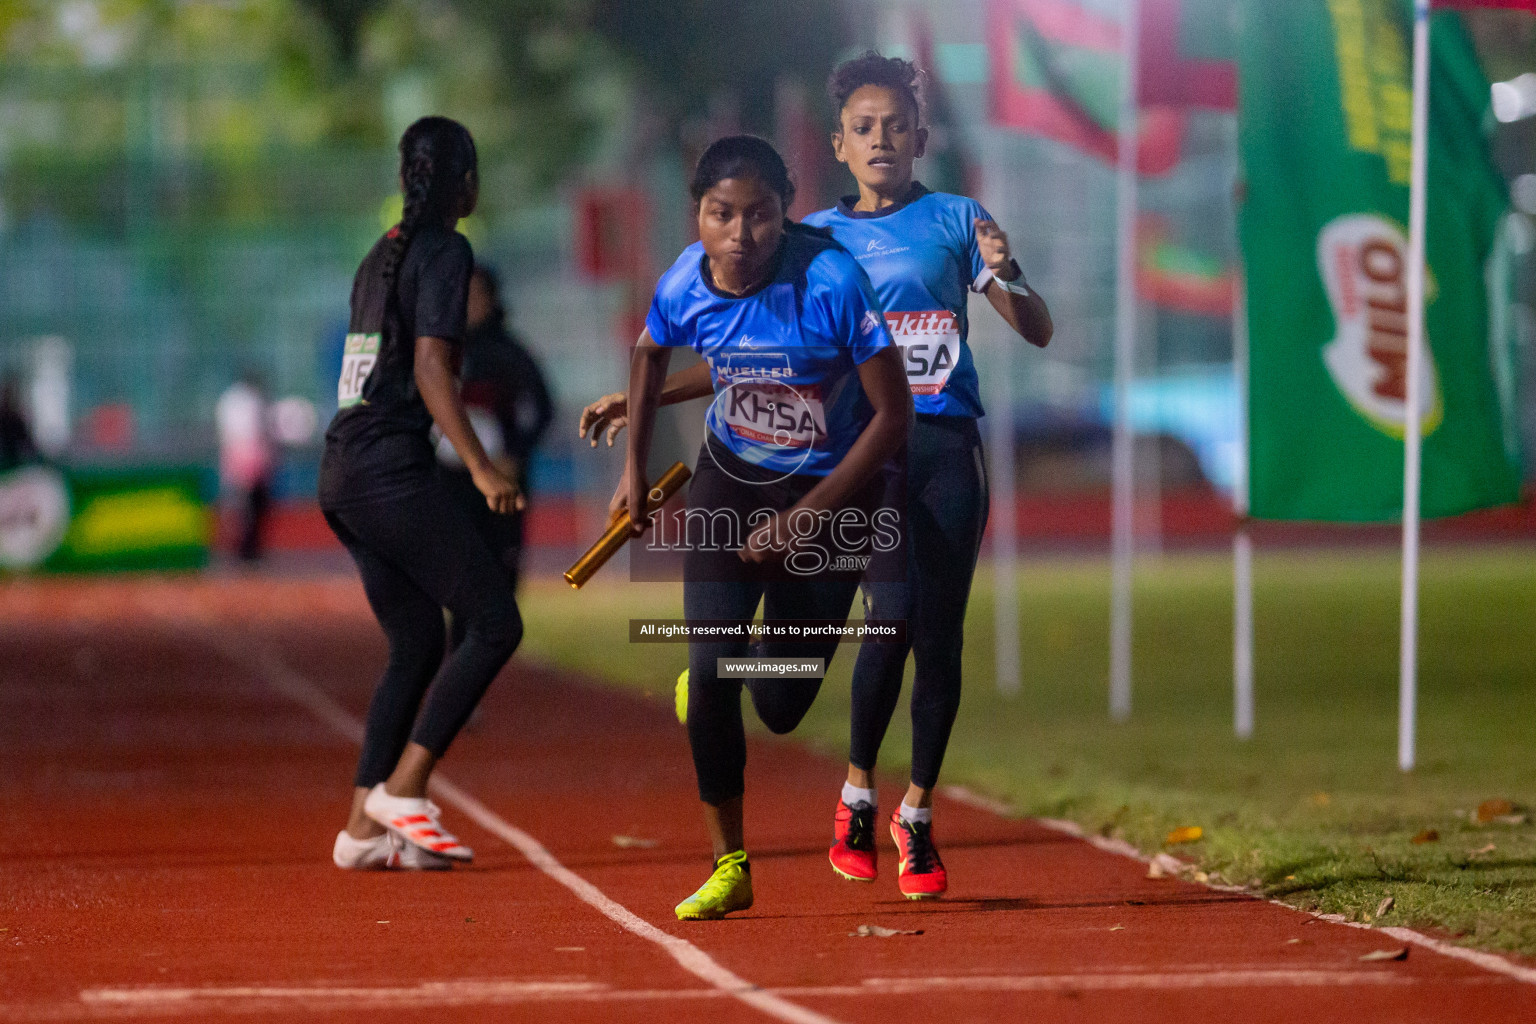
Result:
{"points": [[104, 520], [1326, 143]]}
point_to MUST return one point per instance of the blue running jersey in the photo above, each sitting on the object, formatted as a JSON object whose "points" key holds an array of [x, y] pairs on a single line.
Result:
{"points": [[922, 256], [784, 358]]}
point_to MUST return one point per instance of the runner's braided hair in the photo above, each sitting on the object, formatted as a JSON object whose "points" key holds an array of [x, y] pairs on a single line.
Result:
{"points": [[871, 68], [438, 165]]}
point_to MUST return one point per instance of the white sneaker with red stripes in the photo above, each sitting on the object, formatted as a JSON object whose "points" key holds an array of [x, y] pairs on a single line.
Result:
{"points": [[416, 820], [387, 852]]}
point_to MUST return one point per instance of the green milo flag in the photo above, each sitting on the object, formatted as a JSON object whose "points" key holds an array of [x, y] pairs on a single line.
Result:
{"points": [[1325, 136]]}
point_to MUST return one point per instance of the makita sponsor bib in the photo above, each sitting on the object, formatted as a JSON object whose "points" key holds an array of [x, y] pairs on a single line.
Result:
{"points": [[930, 347]]}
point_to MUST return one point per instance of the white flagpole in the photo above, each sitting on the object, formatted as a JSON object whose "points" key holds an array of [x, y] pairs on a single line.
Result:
{"points": [[1005, 542], [1123, 447], [1242, 542], [1412, 439]]}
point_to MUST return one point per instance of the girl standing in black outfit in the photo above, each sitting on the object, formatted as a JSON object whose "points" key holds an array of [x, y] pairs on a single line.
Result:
{"points": [[415, 546]]}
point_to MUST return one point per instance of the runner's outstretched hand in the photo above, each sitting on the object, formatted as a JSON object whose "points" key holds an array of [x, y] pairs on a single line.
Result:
{"points": [[611, 413]]}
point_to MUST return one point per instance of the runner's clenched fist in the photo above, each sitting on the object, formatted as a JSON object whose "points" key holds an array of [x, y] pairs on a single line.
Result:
{"points": [[993, 243]]}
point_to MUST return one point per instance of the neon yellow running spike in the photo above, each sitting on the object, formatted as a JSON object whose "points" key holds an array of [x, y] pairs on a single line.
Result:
{"points": [[728, 889], [680, 696]]}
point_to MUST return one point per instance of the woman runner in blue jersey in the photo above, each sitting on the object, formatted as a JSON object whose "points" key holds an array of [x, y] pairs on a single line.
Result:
{"points": [[810, 404], [923, 251]]}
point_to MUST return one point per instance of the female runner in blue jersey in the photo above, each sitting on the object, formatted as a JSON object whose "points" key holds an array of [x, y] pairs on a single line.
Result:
{"points": [[923, 251], [811, 403]]}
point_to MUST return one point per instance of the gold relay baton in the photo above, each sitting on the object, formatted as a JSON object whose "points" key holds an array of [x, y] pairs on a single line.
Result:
{"points": [[618, 529]]}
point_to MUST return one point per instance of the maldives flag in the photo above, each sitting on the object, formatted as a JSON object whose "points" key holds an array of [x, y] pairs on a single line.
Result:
{"points": [[1188, 54], [1056, 71], [1178, 276]]}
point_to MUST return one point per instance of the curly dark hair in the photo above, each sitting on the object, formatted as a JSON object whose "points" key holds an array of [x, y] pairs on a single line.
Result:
{"points": [[871, 68]]}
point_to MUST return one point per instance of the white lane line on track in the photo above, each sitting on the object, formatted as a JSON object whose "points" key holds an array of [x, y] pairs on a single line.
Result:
{"points": [[691, 958], [427, 993], [1487, 961], [247, 999], [470, 991]]}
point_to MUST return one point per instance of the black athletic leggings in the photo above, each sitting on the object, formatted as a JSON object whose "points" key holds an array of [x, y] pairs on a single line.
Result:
{"points": [[946, 502], [419, 555], [719, 585], [503, 534]]}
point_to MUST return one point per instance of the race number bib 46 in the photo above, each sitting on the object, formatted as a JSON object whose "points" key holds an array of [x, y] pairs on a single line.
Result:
{"points": [[930, 346], [358, 357]]}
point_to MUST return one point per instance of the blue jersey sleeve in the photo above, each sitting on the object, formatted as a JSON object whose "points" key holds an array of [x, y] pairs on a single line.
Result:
{"points": [[981, 274], [659, 325], [663, 320], [844, 308]]}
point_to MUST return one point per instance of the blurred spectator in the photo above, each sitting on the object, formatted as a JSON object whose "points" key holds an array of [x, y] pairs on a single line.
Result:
{"points": [[246, 459], [16, 445], [509, 407]]}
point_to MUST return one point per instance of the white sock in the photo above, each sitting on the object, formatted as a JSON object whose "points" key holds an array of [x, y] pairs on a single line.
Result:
{"points": [[916, 815], [853, 794]]}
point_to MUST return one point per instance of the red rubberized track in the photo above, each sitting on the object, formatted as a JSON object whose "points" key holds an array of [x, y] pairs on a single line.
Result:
{"points": [[169, 805]]}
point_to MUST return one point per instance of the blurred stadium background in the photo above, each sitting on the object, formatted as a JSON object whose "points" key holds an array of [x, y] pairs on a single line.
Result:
{"points": [[186, 187]]}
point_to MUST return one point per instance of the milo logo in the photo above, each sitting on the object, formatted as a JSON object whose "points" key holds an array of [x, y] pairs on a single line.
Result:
{"points": [[1363, 259]]}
